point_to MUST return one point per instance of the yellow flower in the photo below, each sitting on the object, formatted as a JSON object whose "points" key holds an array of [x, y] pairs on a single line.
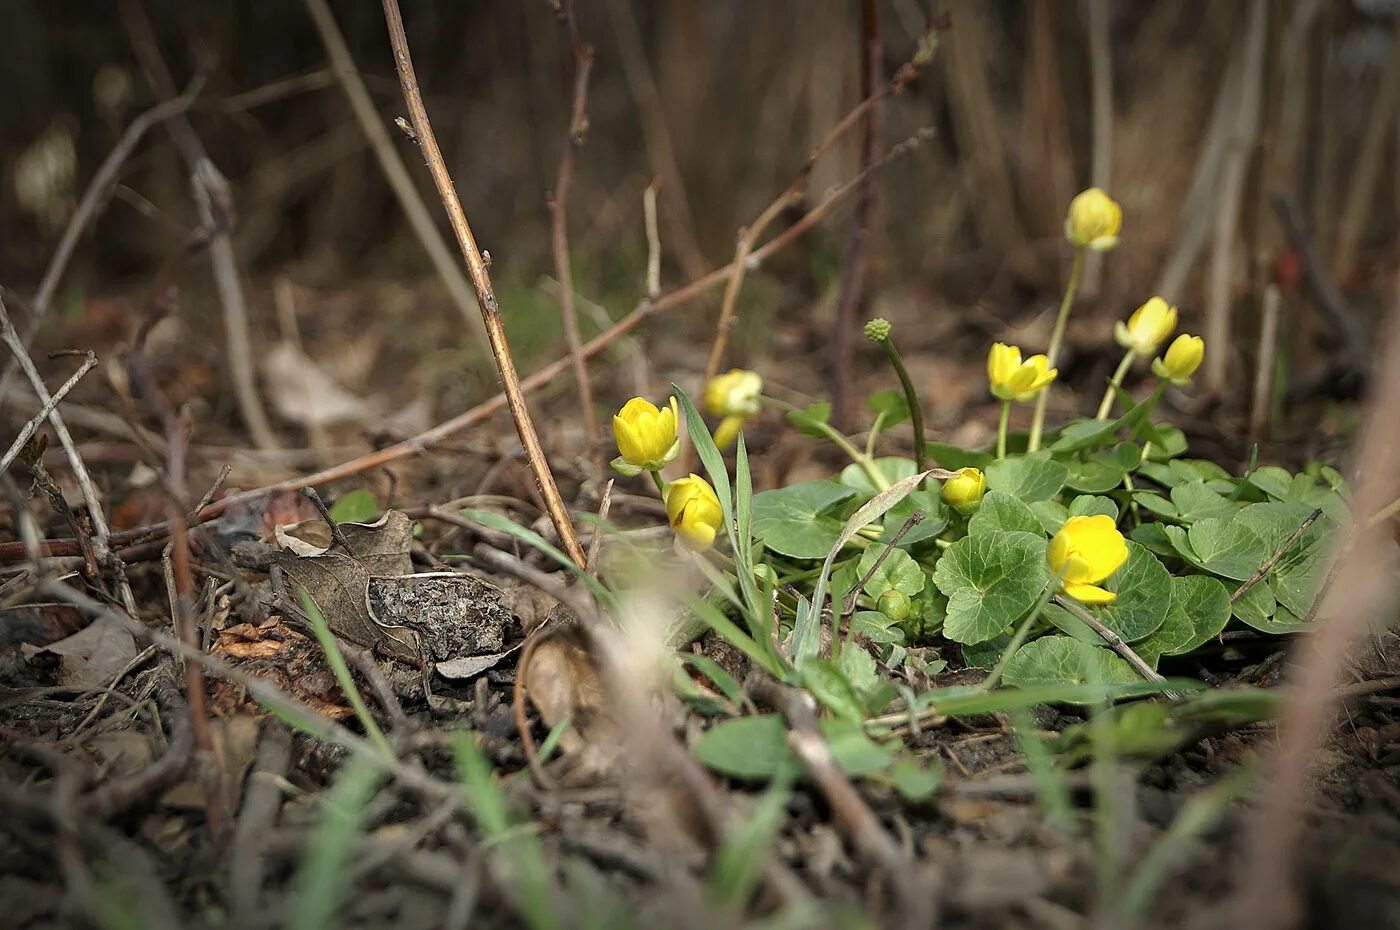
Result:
{"points": [[1093, 221], [1013, 379], [1085, 551], [694, 511], [645, 436], [1182, 359], [1147, 328], [964, 493], [734, 395]]}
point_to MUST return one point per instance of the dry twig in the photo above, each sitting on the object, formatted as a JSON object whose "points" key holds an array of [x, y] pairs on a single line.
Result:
{"points": [[28, 429], [481, 280]]}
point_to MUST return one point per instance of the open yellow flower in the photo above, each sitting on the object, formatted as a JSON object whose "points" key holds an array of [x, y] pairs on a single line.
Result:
{"points": [[1014, 379], [1084, 552], [694, 511], [736, 396], [1183, 357], [964, 493], [1147, 328], [1093, 221], [646, 436]]}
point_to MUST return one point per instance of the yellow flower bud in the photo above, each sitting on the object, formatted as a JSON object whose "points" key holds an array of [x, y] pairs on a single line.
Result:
{"points": [[646, 436], [1093, 221], [736, 396], [1182, 359], [1147, 328], [1084, 552], [1014, 379], [964, 493], [694, 511]]}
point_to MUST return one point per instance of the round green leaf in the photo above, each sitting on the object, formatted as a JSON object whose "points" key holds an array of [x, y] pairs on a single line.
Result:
{"points": [[1031, 477], [898, 572], [991, 581], [1002, 512], [893, 467], [1063, 660], [1199, 610], [1143, 586], [791, 521]]}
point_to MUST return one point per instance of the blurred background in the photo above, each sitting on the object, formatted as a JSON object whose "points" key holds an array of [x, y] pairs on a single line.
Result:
{"points": [[1208, 122]]}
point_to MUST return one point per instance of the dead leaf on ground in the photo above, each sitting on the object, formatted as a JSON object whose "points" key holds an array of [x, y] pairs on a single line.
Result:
{"points": [[305, 394], [235, 742], [93, 656], [283, 656], [561, 680]]}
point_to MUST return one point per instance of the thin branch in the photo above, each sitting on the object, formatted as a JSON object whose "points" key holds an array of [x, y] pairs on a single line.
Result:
{"points": [[419, 218], [43, 414], [481, 280], [653, 240], [1283, 548], [213, 197], [1114, 641], [93, 199], [424, 441], [1266, 360], [559, 215], [1101, 107]]}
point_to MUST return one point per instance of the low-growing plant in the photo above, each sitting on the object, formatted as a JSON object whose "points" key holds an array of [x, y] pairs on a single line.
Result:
{"points": [[1078, 557]]}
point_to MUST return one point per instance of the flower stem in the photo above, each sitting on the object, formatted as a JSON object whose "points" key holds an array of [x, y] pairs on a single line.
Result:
{"points": [[1001, 428], [1053, 353], [866, 463], [1114, 383], [916, 415], [660, 484]]}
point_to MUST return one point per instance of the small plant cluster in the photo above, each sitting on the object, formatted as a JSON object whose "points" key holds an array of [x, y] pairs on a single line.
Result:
{"points": [[1079, 556]]}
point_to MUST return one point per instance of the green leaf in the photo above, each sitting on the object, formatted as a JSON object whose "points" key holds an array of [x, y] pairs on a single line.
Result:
{"points": [[954, 458], [893, 467], [1193, 501], [791, 521], [1199, 610], [810, 420], [1227, 548], [934, 522], [985, 654], [858, 667], [1054, 660], [712, 670], [1090, 505], [829, 686], [1000, 511], [756, 748], [1143, 586], [1256, 608], [898, 572], [358, 506], [893, 404], [1083, 434], [991, 580], [913, 781], [1051, 514], [1031, 477], [1102, 472], [1298, 575], [875, 627], [1273, 481], [1153, 536], [1168, 442]]}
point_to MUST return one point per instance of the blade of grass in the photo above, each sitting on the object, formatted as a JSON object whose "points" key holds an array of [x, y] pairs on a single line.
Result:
{"points": [[322, 882], [1050, 786], [341, 671], [521, 849], [739, 861], [505, 525]]}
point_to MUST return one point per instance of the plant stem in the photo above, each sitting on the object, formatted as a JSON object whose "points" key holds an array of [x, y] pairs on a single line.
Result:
{"points": [[875, 434], [1057, 337], [916, 415], [866, 463], [1001, 428], [1023, 631], [660, 484], [1114, 383]]}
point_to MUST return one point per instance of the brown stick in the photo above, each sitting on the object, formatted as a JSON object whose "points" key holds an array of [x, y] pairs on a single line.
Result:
{"points": [[392, 164], [1266, 361], [1114, 641], [1363, 586], [855, 264], [1268, 565], [28, 429], [11, 551], [558, 215], [481, 280]]}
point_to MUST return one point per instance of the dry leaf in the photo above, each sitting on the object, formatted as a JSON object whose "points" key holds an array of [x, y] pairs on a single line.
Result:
{"points": [[303, 393], [93, 656]]}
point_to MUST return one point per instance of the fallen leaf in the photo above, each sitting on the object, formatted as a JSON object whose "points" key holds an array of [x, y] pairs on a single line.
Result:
{"points": [[93, 656], [305, 394]]}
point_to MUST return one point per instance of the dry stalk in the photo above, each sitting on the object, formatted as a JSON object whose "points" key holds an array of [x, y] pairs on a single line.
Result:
{"points": [[1239, 146], [1114, 641], [416, 445], [855, 263], [1363, 586], [559, 216], [93, 199], [653, 240], [28, 429], [1101, 107], [481, 280], [1266, 359], [392, 164], [214, 199]]}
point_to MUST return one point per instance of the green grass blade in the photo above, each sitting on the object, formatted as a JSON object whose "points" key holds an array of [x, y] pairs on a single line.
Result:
{"points": [[739, 861], [1050, 786], [322, 881], [341, 671], [505, 525]]}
